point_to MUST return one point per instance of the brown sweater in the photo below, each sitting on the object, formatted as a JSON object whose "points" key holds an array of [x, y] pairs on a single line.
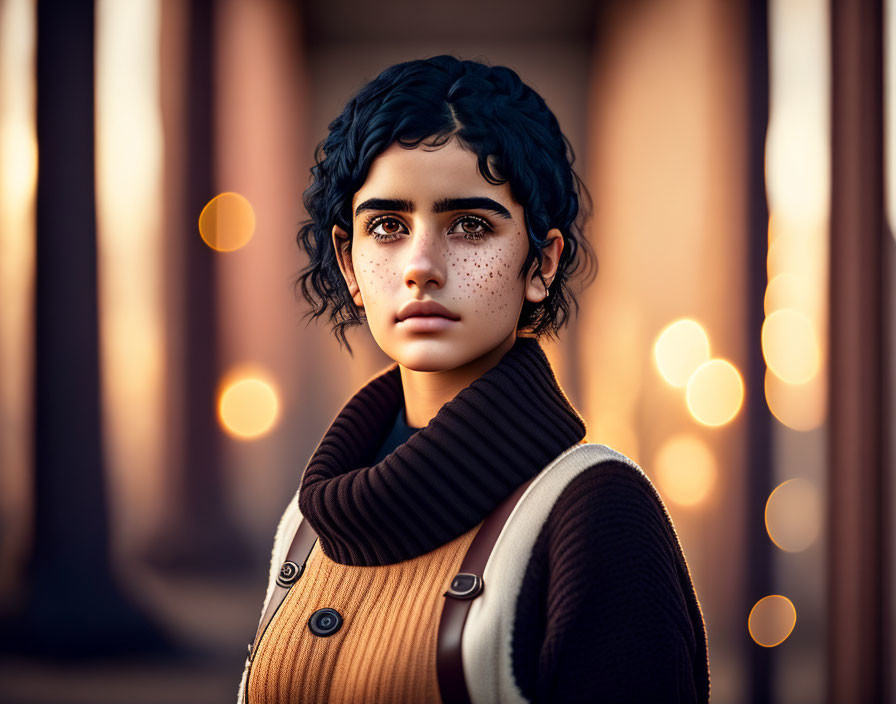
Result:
{"points": [[606, 610]]}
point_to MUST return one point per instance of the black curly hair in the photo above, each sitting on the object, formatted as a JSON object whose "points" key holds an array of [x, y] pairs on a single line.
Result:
{"points": [[495, 115]]}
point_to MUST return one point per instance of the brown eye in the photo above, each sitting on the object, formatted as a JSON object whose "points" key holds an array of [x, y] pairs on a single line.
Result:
{"points": [[384, 229], [390, 226], [472, 228]]}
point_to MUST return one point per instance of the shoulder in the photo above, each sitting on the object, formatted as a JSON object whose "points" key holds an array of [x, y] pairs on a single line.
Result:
{"points": [[610, 539], [606, 598], [608, 534], [610, 495]]}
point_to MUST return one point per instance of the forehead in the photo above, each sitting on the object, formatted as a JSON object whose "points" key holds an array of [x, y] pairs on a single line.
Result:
{"points": [[424, 176]]}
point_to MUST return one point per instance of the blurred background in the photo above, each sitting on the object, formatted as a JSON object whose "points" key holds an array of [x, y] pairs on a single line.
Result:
{"points": [[161, 392]]}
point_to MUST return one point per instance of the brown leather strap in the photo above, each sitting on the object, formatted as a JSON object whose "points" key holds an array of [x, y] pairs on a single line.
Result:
{"points": [[291, 570], [465, 587]]}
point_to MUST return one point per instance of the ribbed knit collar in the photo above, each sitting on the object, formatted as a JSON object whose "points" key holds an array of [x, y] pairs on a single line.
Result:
{"points": [[499, 431]]}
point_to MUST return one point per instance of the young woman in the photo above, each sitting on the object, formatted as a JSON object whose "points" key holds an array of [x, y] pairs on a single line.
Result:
{"points": [[453, 538]]}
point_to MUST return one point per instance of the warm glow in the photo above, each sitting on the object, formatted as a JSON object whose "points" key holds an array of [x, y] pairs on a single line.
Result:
{"points": [[18, 150], [227, 222], [797, 173], [793, 515], [679, 349], [614, 430], [797, 154], [18, 179], [790, 346], [715, 392], [130, 249], [788, 291], [796, 250], [685, 469], [772, 620], [798, 406], [248, 407], [890, 114]]}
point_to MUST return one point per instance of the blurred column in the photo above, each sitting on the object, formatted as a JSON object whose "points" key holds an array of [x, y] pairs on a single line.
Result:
{"points": [[857, 565], [668, 168], [889, 353], [74, 605], [758, 577], [197, 531], [263, 154], [18, 176], [789, 292]]}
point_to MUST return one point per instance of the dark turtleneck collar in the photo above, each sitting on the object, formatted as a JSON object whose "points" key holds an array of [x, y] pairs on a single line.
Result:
{"points": [[499, 431]]}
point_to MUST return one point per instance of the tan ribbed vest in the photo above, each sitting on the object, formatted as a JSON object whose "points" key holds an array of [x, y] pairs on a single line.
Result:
{"points": [[385, 650]]}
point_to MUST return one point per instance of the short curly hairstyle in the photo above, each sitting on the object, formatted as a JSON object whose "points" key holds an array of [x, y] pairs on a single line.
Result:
{"points": [[493, 114]]}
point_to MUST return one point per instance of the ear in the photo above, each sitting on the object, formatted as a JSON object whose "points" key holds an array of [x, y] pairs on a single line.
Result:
{"points": [[550, 259], [341, 245]]}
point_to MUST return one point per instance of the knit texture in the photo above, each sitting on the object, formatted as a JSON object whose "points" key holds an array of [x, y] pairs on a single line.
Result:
{"points": [[492, 436], [385, 650], [607, 610]]}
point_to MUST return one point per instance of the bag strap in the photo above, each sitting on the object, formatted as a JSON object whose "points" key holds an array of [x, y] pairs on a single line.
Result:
{"points": [[466, 586]]}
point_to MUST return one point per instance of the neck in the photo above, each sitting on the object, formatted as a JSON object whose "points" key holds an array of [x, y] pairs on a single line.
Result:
{"points": [[426, 392]]}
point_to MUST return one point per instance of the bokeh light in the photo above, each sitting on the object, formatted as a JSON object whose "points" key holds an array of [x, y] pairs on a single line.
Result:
{"points": [[227, 222], [715, 392], [788, 290], [796, 249], [679, 349], [798, 406], [772, 620], [793, 515], [790, 346], [797, 163], [685, 469], [248, 407]]}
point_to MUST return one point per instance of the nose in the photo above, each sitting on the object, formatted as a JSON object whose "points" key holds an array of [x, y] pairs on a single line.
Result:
{"points": [[426, 259]]}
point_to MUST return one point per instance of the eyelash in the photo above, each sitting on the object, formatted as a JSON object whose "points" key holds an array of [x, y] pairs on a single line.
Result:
{"points": [[374, 221]]}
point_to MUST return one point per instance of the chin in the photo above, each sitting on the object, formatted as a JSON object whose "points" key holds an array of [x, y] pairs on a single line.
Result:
{"points": [[438, 355], [430, 355]]}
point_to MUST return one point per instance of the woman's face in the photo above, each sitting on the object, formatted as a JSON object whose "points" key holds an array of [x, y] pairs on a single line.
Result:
{"points": [[429, 227]]}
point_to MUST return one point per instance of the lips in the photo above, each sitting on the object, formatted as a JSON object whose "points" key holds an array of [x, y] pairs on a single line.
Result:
{"points": [[415, 309]]}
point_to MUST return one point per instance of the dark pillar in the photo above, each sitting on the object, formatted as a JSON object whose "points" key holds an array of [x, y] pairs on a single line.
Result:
{"points": [[759, 660], [73, 605], [857, 562], [199, 533]]}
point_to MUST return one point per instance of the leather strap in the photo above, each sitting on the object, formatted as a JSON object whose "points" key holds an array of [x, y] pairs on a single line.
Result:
{"points": [[290, 572], [465, 587]]}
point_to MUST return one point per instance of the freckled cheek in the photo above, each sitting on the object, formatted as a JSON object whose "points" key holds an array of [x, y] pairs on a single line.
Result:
{"points": [[490, 277], [375, 275]]}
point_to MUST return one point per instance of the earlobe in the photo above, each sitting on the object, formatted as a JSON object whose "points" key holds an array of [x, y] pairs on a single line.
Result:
{"points": [[341, 246]]}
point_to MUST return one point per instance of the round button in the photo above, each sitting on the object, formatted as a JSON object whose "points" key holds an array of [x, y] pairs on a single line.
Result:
{"points": [[325, 622], [289, 573]]}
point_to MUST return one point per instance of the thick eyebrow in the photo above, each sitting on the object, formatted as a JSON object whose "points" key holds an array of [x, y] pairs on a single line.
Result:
{"points": [[397, 204], [445, 205]]}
